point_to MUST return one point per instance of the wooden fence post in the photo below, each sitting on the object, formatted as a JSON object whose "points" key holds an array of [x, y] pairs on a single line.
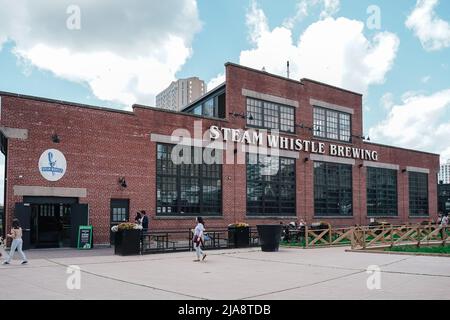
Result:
{"points": [[330, 235], [306, 236]]}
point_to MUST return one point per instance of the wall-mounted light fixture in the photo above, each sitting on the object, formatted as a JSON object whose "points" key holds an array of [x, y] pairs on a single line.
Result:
{"points": [[302, 126], [404, 170], [241, 115], [361, 165], [364, 138], [55, 138], [122, 182], [306, 159]]}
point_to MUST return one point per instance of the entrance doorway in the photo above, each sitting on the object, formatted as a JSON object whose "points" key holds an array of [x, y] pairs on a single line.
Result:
{"points": [[50, 225], [51, 222], [120, 212]]}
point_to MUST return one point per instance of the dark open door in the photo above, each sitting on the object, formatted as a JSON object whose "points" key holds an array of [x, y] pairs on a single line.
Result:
{"points": [[79, 216], [23, 213]]}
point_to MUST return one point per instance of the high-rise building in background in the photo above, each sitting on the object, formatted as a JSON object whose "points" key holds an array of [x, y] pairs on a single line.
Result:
{"points": [[180, 93], [444, 173]]}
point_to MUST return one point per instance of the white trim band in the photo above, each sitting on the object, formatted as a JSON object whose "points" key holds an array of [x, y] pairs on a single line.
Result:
{"points": [[322, 158], [270, 98], [331, 106], [50, 191], [416, 169], [381, 165], [14, 133], [187, 141], [270, 152]]}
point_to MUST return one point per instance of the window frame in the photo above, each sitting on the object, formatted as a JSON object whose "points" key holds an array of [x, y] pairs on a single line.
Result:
{"points": [[416, 189], [279, 184], [339, 186], [179, 177], [381, 172], [339, 125], [263, 115]]}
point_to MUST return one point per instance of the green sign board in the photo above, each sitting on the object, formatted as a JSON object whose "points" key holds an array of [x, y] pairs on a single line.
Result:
{"points": [[84, 237]]}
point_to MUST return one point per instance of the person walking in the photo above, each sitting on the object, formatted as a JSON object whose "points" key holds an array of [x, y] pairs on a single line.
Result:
{"points": [[17, 242], [197, 240]]}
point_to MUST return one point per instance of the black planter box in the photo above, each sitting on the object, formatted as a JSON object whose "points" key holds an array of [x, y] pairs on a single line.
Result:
{"points": [[127, 242], [238, 237], [269, 237]]}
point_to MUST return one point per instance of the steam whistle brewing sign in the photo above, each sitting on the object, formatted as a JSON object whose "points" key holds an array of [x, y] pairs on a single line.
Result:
{"points": [[52, 165], [258, 138]]}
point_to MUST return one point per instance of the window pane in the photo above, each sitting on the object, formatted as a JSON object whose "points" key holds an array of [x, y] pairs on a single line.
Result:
{"points": [[333, 189], [254, 108], [331, 124], [418, 194], [344, 127], [381, 192], [270, 115], [187, 188], [270, 186]]}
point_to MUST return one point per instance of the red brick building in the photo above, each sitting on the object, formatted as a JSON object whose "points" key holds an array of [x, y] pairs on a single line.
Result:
{"points": [[116, 162]]}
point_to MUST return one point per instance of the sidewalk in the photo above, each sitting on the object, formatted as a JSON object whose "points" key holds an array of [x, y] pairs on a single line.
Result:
{"points": [[329, 273]]}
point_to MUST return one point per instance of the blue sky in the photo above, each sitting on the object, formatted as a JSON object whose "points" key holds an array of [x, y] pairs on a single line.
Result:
{"points": [[119, 55]]}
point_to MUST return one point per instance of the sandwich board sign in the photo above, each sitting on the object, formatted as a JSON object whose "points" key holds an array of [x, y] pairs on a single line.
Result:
{"points": [[84, 237]]}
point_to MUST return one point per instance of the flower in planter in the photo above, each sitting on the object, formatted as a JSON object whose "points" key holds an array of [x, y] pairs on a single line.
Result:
{"points": [[126, 226], [238, 225]]}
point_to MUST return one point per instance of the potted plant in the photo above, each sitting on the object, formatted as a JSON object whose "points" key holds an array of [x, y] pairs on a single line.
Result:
{"points": [[238, 235], [127, 239], [269, 236]]}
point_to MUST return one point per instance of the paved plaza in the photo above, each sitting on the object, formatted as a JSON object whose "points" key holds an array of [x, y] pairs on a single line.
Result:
{"points": [[328, 273]]}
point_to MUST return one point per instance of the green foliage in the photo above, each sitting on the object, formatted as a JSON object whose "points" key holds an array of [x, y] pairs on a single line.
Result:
{"points": [[428, 249]]}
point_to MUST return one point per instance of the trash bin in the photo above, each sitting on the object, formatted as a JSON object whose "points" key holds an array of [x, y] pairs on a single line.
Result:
{"points": [[269, 237]]}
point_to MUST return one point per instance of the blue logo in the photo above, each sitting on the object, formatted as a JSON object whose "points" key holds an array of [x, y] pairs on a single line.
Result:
{"points": [[52, 168]]}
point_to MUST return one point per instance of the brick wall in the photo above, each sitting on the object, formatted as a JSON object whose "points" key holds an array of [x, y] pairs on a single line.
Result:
{"points": [[100, 146]]}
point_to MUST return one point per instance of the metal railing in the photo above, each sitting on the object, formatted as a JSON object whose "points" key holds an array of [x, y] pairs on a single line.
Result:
{"points": [[163, 241]]}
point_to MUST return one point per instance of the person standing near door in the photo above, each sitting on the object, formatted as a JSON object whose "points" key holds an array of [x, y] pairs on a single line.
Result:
{"points": [[138, 218], [17, 242], [144, 221], [144, 224]]}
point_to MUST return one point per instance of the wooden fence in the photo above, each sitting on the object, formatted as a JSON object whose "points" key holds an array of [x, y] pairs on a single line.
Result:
{"points": [[368, 236], [365, 237]]}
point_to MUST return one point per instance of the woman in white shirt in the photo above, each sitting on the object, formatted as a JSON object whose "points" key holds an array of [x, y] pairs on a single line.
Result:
{"points": [[198, 239], [17, 242]]}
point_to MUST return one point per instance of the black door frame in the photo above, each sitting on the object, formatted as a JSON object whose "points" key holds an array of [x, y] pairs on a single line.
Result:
{"points": [[117, 203], [72, 201]]}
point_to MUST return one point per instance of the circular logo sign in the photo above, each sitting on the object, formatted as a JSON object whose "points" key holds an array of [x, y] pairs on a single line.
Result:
{"points": [[52, 165]]}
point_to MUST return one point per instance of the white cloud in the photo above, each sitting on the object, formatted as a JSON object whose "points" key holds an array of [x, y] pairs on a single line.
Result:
{"points": [[331, 50], [387, 101], [304, 7], [331, 7], [432, 31], [425, 79], [125, 54], [418, 122], [216, 81]]}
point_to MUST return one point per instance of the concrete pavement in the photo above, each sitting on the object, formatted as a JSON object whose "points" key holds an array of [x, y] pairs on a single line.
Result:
{"points": [[328, 273]]}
